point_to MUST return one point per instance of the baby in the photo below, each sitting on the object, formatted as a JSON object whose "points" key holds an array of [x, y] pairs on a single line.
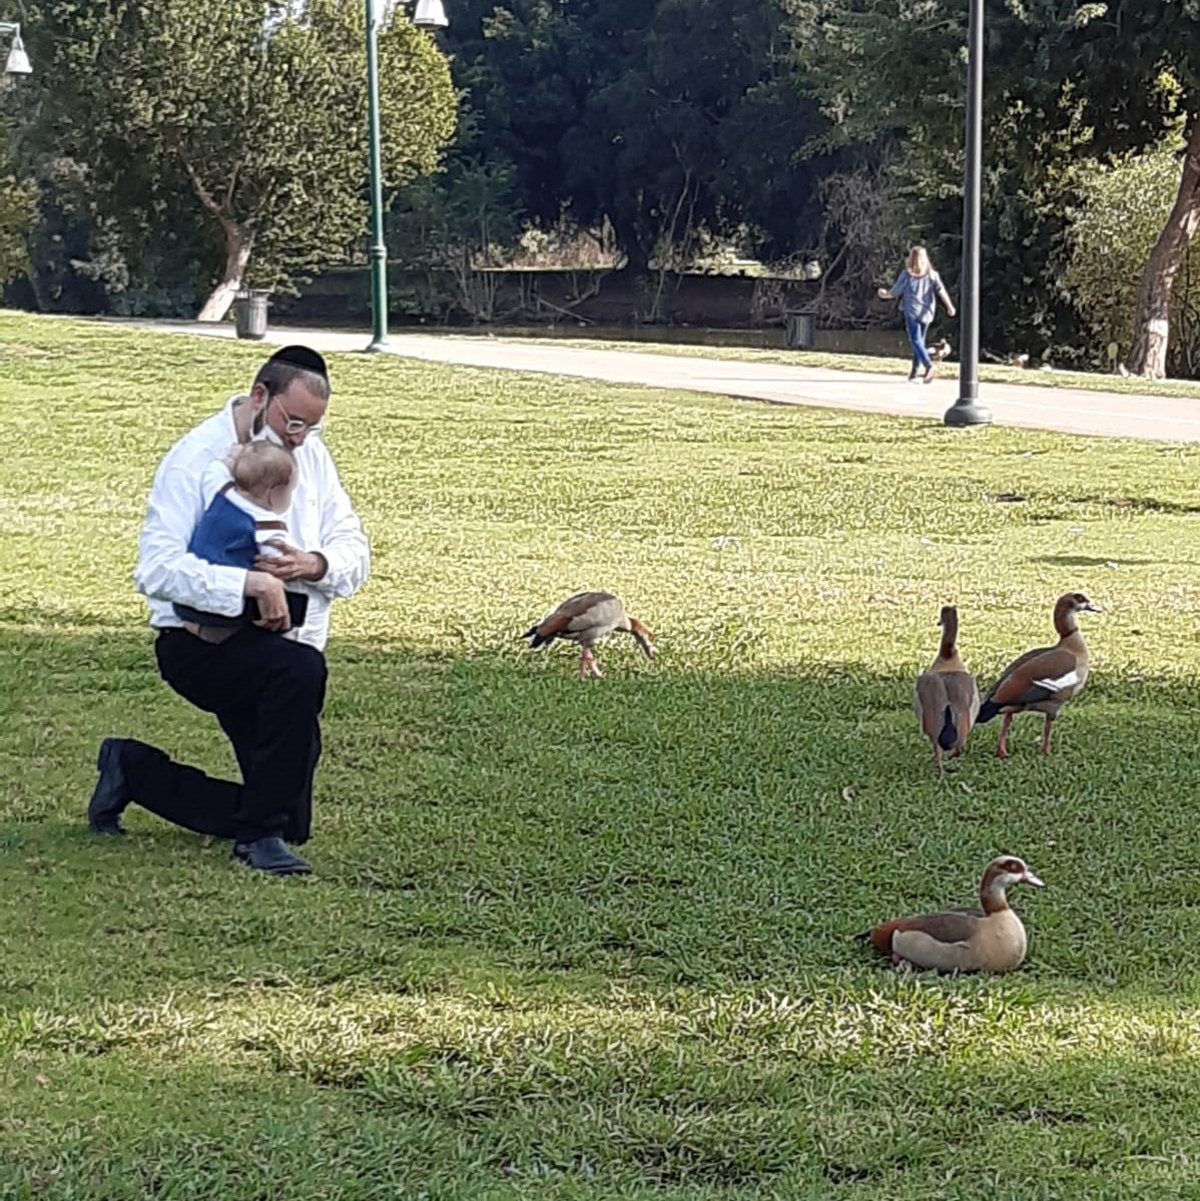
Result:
{"points": [[240, 523]]}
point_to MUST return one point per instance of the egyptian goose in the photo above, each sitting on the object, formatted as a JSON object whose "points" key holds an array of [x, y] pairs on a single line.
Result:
{"points": [[946, 697], [988, 939], [586, 619], [1043, 680]]}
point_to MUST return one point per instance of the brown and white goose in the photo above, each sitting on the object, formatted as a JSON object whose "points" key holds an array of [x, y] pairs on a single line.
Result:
{"points": [[946, 697], [1045, 679], [586, 619], [988, 939]]}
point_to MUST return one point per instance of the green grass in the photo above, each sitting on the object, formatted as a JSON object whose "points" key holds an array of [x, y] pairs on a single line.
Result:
{"points": [[1088, 381], [593, 940]]}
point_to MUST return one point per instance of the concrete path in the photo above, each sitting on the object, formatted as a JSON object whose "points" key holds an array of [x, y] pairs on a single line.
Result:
{"points": [[1069, 410]]}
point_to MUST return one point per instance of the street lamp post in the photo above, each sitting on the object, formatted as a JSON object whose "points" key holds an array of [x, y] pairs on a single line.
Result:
{"points": [[967, 410], [17, 62], [427, 14]]}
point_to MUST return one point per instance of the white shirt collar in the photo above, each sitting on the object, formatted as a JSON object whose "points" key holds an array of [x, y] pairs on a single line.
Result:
{"points": [[254, 510]]}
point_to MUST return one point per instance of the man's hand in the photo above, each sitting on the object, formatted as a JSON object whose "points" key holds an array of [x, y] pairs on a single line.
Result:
{"points": [[292, 564], [272, 604]]}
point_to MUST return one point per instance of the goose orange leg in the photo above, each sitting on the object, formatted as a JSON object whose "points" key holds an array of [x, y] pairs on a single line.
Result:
{"points": [[588, 665], [1046, 735], [1002, 745]]}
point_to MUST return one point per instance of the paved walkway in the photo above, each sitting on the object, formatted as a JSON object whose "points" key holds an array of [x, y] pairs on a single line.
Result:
{"points": [[1069, 410]]}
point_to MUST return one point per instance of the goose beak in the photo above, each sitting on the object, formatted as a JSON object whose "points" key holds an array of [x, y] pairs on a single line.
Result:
{"points": [[1090, 608], [1030, 878]]}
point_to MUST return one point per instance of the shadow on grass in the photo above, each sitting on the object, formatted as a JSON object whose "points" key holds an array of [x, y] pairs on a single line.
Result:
{"points": [[661, 825], [1138, 504], [338, 1094], [595, 936], [1089, 561], [42, 615]]}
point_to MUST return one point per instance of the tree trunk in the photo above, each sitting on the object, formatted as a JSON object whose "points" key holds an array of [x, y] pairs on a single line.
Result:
{"points": [[629, 242], [1152, 320], [239, 241]]}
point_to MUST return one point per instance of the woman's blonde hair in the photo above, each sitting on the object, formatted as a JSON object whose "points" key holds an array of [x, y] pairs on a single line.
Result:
{"points": [[918, 261]]}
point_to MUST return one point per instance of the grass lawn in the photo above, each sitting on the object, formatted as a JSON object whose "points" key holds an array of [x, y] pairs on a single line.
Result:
{"points": [[593, 940]]}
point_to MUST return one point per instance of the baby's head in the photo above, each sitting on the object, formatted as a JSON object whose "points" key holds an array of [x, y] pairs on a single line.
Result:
{"points": [[265, 474]]}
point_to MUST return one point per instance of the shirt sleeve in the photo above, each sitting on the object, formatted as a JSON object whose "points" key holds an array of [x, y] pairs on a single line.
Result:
{"points": [[343, 540], [165, 569], [899, 287]]}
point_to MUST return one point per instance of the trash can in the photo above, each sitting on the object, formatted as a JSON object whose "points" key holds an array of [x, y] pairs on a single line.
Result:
{"points": [[800, 331], [250, 313]]}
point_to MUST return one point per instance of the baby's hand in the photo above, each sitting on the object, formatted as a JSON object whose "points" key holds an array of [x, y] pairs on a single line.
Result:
{"points": [[272, 604]]}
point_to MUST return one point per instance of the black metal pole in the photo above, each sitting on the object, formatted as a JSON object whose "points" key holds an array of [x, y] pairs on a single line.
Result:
{"points": [[967, 410]]}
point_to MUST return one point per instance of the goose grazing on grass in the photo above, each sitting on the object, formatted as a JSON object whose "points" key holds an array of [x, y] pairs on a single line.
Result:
{"points": [[988, 939], [1045, 679], [946, 698], [586, 619]]}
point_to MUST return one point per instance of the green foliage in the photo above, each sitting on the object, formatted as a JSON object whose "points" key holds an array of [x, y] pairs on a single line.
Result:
{"points": [[894, 73], [1123, 203], [73, 256], [256, 117], [661, 118], [18, 215], [593, 940], [443, 229]]}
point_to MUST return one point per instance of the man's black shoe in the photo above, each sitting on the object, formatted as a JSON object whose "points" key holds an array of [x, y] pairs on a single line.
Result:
{"points": [[271, 855], [111, 793]]}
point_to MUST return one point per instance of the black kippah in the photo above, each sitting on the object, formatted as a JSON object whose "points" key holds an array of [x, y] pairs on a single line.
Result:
{"points": [[302, 357]]}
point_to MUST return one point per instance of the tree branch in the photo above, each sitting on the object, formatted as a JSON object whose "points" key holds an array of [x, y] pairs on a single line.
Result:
{"points": [[232, 184], [206, 197]]}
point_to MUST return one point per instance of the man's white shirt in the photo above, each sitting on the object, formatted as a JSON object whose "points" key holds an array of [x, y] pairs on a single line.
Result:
{"points": [[321, 519]]}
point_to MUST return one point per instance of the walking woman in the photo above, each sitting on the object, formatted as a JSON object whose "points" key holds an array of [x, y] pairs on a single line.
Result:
{"points": [[918, 288]]}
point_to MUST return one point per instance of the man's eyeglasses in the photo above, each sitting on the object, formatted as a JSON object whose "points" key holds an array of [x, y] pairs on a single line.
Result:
{"points": [[293, 426]]}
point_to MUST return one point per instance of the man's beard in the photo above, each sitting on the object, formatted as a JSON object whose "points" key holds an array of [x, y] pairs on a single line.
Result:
{"points": [[261, 431]]}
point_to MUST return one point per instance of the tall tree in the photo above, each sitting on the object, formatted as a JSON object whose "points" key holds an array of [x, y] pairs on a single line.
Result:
{"points": [[658, 115], [1065, 77], [1152, 319], [1141, 66], [256, 109]]}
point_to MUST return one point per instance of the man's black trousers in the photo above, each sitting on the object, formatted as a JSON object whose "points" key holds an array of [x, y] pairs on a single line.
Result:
{"points": [[267, 693]]}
